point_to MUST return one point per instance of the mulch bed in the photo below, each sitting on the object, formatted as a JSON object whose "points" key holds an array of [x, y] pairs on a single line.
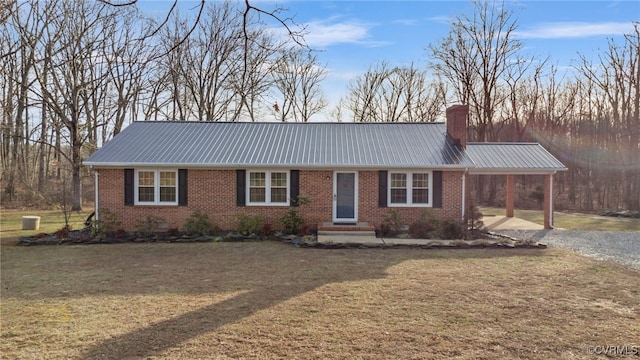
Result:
{"points": [[78, 237]]}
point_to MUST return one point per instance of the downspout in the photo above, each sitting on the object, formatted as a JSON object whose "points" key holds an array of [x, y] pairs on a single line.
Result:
{"points": [[464, 191], [551, 199], [96, 203]]}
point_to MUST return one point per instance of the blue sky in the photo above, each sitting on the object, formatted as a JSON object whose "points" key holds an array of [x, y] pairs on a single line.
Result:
{"points": [[353, 35]]}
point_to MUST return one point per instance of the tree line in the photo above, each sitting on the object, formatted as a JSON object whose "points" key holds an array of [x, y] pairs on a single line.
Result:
{"points": [[74, 73]]}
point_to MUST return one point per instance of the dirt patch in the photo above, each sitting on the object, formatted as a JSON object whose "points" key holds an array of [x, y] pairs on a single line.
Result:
{"points": [[273, 300]]}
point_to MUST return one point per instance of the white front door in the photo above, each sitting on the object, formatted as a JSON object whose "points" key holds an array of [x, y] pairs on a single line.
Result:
{"points": [[345, 196]]}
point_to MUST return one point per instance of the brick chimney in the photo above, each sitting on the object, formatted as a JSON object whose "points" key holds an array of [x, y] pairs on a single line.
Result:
{"points": [[457, 124]]}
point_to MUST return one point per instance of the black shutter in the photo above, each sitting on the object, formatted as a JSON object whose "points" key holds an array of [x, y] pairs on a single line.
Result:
{"points": [[182, 187], [437, 189], [382, 189], [241, 181], [129, 180], [294, 176]]}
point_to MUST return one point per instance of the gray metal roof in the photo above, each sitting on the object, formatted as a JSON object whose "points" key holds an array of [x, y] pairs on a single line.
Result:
{"points": [[512, 158], [302, 145]]}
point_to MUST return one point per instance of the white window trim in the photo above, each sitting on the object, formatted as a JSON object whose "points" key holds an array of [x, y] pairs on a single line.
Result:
{"points": [[267, 188], [409, 202], [156, 188]]}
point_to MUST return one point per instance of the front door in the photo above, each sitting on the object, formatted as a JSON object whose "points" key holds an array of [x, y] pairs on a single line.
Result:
{"points": [[345, 197]]}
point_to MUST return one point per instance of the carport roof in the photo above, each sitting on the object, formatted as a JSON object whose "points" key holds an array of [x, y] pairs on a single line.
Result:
{"points": [[512, 158]]}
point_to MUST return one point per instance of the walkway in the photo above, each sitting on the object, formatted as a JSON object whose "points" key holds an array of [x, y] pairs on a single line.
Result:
{"points": [[499, 222]]}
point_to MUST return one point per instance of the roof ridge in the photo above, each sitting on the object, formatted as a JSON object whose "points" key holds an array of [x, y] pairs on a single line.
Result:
{"points": [[502, 143], [282, 123]]}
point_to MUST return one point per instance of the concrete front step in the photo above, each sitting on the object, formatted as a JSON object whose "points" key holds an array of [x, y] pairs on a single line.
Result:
{"points": [[363, 226], [346, 233], [359, 233]]}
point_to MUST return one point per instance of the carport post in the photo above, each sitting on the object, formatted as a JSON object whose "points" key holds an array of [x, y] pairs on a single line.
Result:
{"points": [[548, 201], [509, 200]]}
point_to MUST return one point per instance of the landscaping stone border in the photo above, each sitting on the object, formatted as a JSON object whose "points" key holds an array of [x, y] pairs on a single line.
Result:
{"points": [[78, 237]]}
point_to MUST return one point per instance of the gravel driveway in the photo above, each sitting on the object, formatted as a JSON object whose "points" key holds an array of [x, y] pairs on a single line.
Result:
{"points": [[620, 246]]}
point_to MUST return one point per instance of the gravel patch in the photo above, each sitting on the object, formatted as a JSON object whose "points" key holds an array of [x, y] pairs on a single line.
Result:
{"points": [[619, 246]]}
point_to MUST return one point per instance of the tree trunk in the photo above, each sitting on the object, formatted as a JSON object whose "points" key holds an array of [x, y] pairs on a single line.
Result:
{"points": [[76, 168]]}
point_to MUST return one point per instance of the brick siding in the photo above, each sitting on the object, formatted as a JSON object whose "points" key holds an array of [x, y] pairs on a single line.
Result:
{"points": [[213, 192]]}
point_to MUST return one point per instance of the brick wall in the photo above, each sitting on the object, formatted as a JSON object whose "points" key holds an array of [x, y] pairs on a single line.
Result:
{"points": [[214, 192]]}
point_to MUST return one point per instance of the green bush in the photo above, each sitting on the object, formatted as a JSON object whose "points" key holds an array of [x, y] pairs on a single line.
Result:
{"points": [[426, 227], [106, 225], [291, 221], [147, 228], [198, 225], [249, 225]]}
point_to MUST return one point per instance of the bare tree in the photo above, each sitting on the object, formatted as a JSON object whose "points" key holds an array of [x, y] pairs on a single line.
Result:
{"points": [[395, 94], [76, 34], [475, 57], [618, 75], [297, 77]]}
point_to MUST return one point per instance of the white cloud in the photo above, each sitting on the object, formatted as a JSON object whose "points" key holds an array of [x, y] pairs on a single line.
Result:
{"points": [[323, 34], [345, 76], [442, 19], [328, 32], [406, 22], [574, 30]]}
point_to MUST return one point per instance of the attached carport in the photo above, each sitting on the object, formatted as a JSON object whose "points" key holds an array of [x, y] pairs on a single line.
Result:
{"points": [[512, 159]]}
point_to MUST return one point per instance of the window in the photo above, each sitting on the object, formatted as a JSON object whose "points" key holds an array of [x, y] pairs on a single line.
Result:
{"points": [[156, 187], [268, 187], [398, 188], [420, 188], [409, 189]]}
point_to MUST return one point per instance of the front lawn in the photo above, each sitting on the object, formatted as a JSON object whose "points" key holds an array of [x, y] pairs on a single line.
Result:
{"points": [[273, 300]]}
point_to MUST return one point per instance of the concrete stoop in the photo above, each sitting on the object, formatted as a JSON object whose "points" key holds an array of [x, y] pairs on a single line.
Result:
{"points": [[359, 233]]}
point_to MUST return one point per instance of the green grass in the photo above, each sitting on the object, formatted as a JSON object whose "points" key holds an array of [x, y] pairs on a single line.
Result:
{"points": [[50, 221], [572, 221]]}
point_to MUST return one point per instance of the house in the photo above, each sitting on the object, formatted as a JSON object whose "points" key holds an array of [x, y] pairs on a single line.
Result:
{"points": [[351, 172]]}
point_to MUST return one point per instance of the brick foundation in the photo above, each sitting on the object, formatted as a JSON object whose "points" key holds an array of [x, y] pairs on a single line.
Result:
{"points": [[213, 192]]}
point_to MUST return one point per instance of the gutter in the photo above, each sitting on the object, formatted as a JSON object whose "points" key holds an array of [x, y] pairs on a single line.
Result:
{"points": [[278, 166], [96, 204]]}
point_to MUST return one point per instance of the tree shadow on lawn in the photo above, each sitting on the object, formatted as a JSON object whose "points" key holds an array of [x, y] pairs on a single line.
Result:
{"points": [[265, 274]]}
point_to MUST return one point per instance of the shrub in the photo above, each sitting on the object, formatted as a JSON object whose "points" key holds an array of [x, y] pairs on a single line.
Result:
{"points": [[473, 217], [147, 228], [425, 227], [307, 229], [452, 230], [384, 230], [120, 234], [198, 224], [173, 232], [106, 225], [63, 232], [249, 225], [391, 221], [291, 221], [266, 229]]}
